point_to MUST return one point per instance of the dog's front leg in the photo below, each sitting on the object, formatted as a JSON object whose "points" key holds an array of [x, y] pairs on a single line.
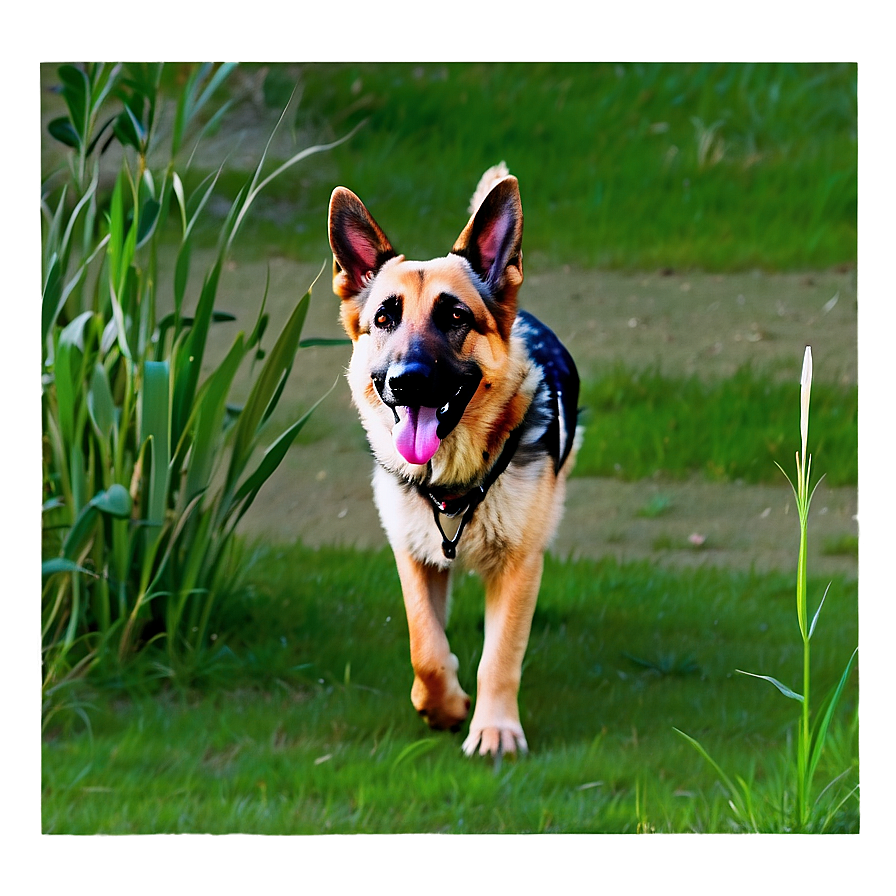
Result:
{"points": [[436, 694], [509, 606]]}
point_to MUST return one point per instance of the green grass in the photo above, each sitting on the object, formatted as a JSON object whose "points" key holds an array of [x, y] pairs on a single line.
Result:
{"points": [[845, 545], [640, 423], [635, 166], [305, 725]]}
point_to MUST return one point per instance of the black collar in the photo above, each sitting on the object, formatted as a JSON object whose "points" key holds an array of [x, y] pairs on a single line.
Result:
{"points": [[448, 504]]}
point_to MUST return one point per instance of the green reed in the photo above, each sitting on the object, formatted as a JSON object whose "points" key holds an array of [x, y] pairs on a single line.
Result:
{"points": [[148, 465]]}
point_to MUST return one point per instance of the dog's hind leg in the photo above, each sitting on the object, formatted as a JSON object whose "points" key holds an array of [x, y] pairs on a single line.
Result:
{"points": [[436, 694], [509, 606]]}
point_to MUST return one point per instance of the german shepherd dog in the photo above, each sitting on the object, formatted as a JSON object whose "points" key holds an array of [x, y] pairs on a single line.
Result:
{"points": [[470, 408]]}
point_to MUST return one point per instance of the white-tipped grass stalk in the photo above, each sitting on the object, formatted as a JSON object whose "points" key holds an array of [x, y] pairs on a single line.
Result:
{"points": [[803, 500]]}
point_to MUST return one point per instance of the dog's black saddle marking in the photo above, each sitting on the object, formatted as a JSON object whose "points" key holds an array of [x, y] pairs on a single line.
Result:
{"points": [[560, 385]]}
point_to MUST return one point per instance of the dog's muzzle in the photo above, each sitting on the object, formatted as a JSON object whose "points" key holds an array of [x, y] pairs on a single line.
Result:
{"points": [[426, 403]]}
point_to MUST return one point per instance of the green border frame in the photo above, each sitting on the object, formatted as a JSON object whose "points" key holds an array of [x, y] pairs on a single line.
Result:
{"points": [[38, 31]]}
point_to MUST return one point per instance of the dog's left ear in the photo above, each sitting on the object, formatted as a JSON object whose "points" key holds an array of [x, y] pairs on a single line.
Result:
{"points": [[492, 240]]}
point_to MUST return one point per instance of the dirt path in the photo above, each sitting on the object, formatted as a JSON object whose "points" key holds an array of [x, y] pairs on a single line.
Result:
{"points": [[696, 323]]}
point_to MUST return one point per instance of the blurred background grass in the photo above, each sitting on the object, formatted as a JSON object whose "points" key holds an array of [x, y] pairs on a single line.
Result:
{"points": [[631, 166]]}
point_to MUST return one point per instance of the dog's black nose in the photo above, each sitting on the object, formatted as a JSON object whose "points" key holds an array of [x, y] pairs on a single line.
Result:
{"points": [[410, 382]]}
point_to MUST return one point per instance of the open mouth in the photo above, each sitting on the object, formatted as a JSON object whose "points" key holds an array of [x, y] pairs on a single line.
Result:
{"points": [[419, 431]]}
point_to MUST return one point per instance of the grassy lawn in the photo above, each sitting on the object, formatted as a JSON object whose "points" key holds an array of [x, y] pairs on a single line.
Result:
{"points": [[304, 724]]}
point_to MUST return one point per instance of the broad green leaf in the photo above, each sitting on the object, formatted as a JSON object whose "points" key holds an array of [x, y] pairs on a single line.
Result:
{"points": [[61, 129], [103, 80], [67, 374], [78, 474], [115, 501], [100, 404], [50, 304], [210, 419], [786, 691], [188, 361], [62, 564], [269, 382], [74, 332], [155, 427], [129, 129], [76, 92], [117, 260], [79, 532], [52, 504], [149, 216]]}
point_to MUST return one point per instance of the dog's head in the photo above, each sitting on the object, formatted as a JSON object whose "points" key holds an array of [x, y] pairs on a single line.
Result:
{"points": [[436, 332]]}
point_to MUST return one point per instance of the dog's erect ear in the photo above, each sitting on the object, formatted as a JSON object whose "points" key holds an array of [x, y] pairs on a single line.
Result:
{"points": [[360, 248], [492, 240]]}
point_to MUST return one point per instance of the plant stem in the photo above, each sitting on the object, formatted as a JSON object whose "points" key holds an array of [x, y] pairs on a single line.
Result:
{"points": [[802, 613]]}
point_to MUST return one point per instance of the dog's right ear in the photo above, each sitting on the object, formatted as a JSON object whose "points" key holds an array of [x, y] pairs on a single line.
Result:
{"points": [[360, 248]]}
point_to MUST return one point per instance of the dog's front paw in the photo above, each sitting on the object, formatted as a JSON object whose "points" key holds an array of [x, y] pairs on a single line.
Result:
{"points": [[443, 704], [495, 740]]}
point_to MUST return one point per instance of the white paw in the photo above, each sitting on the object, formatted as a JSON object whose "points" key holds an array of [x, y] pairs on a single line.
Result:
{"points": [[497, 740]]}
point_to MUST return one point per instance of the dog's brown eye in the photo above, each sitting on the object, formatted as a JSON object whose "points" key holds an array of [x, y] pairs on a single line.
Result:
{"points": [[388, 315], [461, 317]]}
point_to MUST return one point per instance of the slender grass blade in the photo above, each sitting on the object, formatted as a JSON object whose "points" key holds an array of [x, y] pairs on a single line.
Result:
{"points": [[786, 691], [267, 387]]}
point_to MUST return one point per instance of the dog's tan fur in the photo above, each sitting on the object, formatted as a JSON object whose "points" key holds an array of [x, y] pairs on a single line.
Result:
{"points": [[510, 530]]}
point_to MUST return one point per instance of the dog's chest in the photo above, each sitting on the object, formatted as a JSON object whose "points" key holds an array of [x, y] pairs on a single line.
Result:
{"points": [[516, 507]]}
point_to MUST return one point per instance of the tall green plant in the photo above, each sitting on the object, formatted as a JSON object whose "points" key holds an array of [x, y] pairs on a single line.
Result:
{"points": [[812, 730], [147, 469]]}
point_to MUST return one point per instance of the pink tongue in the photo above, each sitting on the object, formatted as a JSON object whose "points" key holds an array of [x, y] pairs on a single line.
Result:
{"points": [[415, 434]]}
